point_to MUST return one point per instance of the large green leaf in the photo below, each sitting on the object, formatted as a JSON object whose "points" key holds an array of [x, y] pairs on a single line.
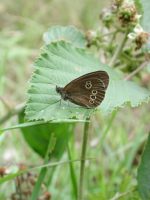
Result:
{"points": [[144, 173], [68, 34], [38, 137], [59, 64], [121, 92]]}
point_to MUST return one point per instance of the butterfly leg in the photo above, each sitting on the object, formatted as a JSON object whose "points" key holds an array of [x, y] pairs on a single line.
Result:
{"points": [[60, 103], [69, 107]]}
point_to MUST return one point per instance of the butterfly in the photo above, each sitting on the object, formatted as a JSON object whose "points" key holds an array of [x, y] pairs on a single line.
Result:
{"points": [[87, 91]]}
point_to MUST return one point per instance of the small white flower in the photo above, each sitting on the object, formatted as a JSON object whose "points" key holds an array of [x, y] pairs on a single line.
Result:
{"points": [[138, 16], [136, 31], [132, 36], [9, 154]]}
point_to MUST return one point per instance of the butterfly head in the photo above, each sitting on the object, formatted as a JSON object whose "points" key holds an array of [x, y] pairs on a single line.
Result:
{"points": [[62, 92]]}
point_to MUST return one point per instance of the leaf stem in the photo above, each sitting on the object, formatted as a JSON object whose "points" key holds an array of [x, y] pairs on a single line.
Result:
{"points": [[128, 77], [83, 155], [118, 50]]}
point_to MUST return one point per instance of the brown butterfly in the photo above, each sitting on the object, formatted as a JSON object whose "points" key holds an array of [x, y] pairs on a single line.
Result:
{"points": [[87, 91]]}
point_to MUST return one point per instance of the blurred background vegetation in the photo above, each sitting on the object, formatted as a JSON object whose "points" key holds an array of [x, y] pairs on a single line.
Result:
{"points": [[22, 24]]}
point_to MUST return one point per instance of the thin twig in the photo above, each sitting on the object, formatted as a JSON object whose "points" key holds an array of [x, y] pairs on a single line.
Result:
{"points": [[118, 50], [50, 164], [113, 38], [120, 195], [109, 33], [129, 76], [4, 103]]}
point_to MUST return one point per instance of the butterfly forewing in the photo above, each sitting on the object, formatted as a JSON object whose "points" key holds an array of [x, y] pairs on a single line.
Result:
{"points": [[88, 90], [101, 75]]}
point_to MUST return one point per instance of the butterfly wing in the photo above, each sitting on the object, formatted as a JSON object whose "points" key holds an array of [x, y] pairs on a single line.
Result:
{"points": [[88, 90]]}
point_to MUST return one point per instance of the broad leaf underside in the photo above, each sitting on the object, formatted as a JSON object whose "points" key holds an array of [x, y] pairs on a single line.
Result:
{"points": [[59, 64]]}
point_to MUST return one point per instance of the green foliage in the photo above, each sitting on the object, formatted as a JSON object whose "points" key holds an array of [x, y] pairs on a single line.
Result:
{"points": [[68, 34], [139, 6], [144, 173], [38, 137], [22, 28]]}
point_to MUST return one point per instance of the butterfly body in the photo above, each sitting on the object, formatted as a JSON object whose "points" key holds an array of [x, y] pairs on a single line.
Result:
{"points": [[87, 91], [64, 94]]}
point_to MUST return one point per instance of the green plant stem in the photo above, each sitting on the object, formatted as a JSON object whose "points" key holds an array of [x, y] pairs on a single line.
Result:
{"points": [[109, 125], [118, 50], [113, 37], [37, 187], [83, 155], [72, 173], [50, 165]]}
